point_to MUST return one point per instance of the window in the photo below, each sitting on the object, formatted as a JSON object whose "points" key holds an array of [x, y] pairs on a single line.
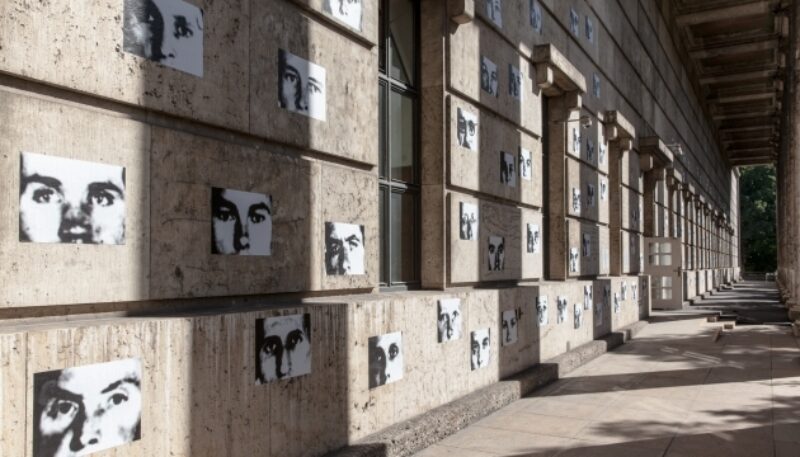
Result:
{"points": [[398, 182]]}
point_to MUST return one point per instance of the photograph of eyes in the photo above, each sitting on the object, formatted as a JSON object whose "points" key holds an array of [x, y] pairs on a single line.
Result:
{"points": [[573, 260], [598, 315], [82, 410], [467, 129], [344, 249], [169, 32], [468, 225], [385, 359], [533, 238], [514, 82], [241, 222], [507, 174], [541, 310], [576, 201], [493, 10], [587, 245], [496, 255], [449, 319], [480, 348], [489, 77], [561, 305], [510, 321], [525, 164], [588, 297], [536, 16], [578, 316], [283, 347], [617, 307], [347, 11], [70, 201], [301, 85]]}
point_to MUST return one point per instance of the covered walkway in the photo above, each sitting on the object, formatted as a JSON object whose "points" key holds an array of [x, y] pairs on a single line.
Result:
{"points": [[673, 391]]}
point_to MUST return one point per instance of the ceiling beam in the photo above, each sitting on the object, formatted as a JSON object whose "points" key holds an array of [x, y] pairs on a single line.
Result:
{"points": [[736, 77], [723, 14], [749, 114], [743, 98], [754, 46]]}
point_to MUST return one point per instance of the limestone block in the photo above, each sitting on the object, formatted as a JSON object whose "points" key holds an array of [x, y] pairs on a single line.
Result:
{"points": [[327, 10], [581, 181], [573, 248], [625, 245], [589, 242], [464, 264], [632, 175], [603, 196], [556, 338], [532, 262], [13, 388], [590, 192], [468, 44], [635, 252], [480, 169], [87, 55], [524, 353], [500, 223], [350, 129], [644, 295], [38, 274], [188, 167], [604, 245]]}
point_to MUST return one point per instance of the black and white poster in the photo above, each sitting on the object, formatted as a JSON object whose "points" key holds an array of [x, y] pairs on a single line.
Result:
{"points": [[588, 296], [603, 149], [561, 305], [603, 187], [573, 260], [590, 195], [467, 127], [576, 200], [468, 221], [83, 410], [301, 86], [589, 29], [449, 319], [283, 347], [508, 175], [385, 359], [617, 307], [624, 291], [574, 22], [598, 315], [589, 150], [525, 164], [587, 245], [480, 348], [606, 294], [534, 238], [634, 289], [578, 315], [576, 141], [241, 222], [493, 10], [346, 11], [70, 201], [536, 16], [169, 32], [510, 326], [541, 310], [489, 77], [515, 82], [344, 249], [595, 84], [496, 253]]}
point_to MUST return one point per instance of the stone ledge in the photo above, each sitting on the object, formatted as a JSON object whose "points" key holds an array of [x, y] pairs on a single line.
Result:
{"points": [[419, 432]]}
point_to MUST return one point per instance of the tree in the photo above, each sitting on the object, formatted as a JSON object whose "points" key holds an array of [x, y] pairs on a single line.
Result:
{"points": [[757, 195]]}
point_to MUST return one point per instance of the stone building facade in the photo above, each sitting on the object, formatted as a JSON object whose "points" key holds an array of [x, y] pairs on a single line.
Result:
{"points": [[556, 151]]}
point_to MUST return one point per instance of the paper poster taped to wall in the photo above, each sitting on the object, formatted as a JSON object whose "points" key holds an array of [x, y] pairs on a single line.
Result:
{"points": [[587, 245], [385, 359], [241, 222], [467, 129], [574, 22], [573, 260], [508, 175], [576, 201], [510, 326], [283, 347], [83, 410], [169, 32], [70, 201], [525, 164], [515, 82], [344, 249], [603, 150], [480, 344], [494, 11], [589, 29], [590, 195], [541, 310], [617, 307], [578, 315], [468, 221], [598, 315], [561, 306], [603, 188], [536, 16], [589, 150], [489, 77], [588, 296], [496, 253], [595, 85], [533, 238], [301, 86], [347, 11], [449, 319]]}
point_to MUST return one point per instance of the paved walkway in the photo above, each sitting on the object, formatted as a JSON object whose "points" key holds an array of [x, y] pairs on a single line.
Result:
{"points": [[671, 392]]}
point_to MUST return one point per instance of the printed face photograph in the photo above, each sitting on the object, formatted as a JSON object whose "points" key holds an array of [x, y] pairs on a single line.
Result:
{"points": [[347, 11], [598, 315], [449, 320], [385, 359], [576, 200], [283, 346], [497, 255], [493, 10], [624, 291], [574, 22], [467, 129], [589, 29], [634, 288], [595, 84], [573, 260], [510, 326], [82, 410], [603, 187], [606, 294], [489, 77], [602, 157], [576, 140], [561, 304], [480, 348], [525, 164], [587, 297], [535, 238], [590, 195], [169, 32], [578, 316], [587, 245], [241, 222], [468, 221], [616, 303], [507, 174], [536, 16], [301, 86], [514, 82], [589, 150], [344, 249], [541, 310], [70, 201]]}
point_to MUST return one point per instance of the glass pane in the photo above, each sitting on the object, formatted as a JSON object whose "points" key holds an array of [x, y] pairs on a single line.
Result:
{"points": [[401, 137], [666, 247], [666, 281], [382, 152], [382, 36], [383, 254], [401, 40], [653, 248], [653, 260], [666, 260], [666, 294], [403, 248]]}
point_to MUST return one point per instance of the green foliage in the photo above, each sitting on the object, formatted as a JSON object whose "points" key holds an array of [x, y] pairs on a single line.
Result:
{"points": [[757, 188]]}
